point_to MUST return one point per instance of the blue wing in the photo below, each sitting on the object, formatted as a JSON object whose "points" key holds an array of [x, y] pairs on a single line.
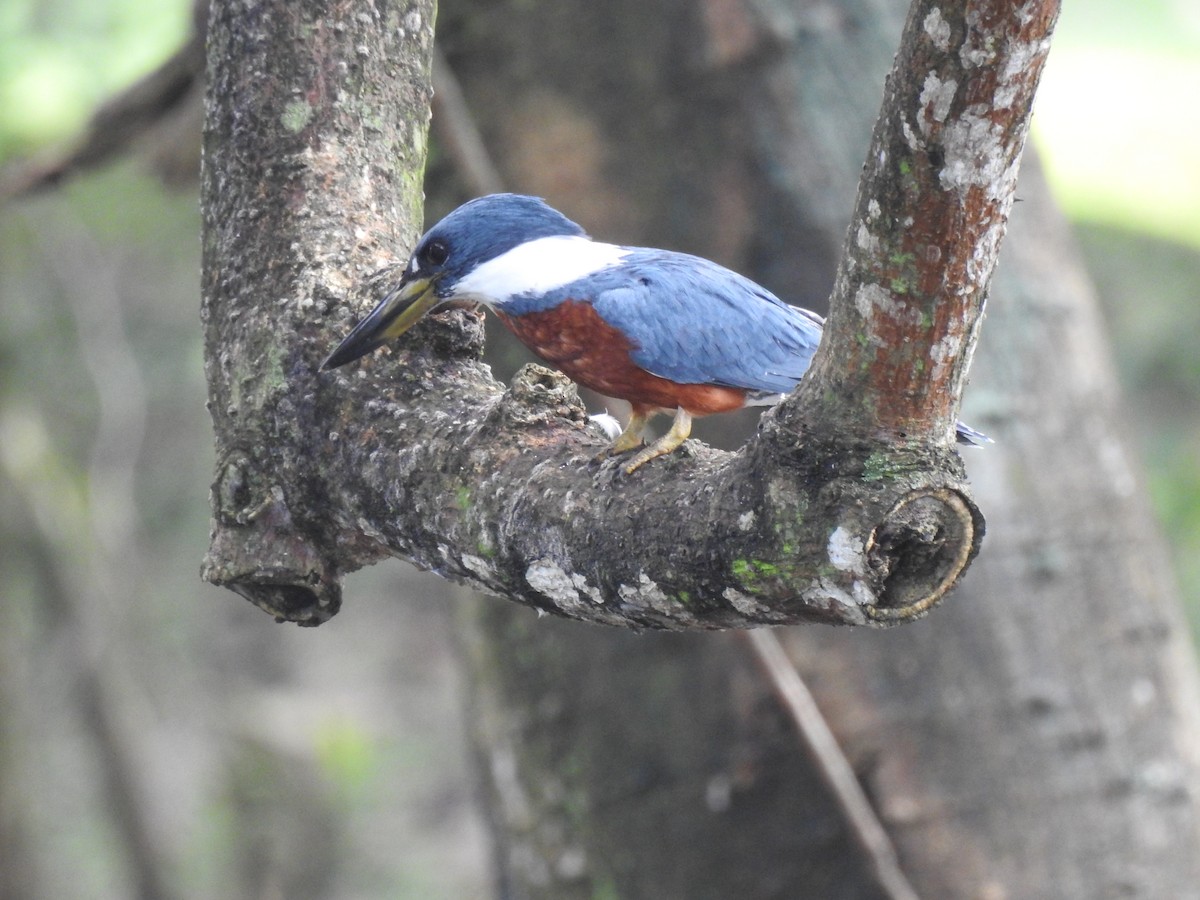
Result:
{"points": [[695, 322]]}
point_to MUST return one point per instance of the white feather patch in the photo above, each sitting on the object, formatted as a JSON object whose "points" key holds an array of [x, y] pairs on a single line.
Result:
{"points": [[538, 266]]}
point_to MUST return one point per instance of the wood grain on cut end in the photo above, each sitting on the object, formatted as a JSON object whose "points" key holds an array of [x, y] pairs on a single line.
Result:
{"points": [[920, 549]]}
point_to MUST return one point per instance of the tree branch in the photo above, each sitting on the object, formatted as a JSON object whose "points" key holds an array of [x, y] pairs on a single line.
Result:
{"points": [[314, 144], [932, 206], [850, 507]]}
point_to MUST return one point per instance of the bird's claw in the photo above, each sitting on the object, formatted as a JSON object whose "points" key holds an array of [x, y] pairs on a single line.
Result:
{"points": [[609, 452]]}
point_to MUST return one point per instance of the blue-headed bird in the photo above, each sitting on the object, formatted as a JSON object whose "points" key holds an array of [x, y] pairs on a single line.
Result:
{"points": [[666, 331]]}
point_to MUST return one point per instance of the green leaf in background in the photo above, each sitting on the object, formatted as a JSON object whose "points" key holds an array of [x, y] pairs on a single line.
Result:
{"points": [[59, 59], [1115, 118]]}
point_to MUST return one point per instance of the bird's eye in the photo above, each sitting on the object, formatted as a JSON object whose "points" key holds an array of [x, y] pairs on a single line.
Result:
{"points": [[437, 253]]}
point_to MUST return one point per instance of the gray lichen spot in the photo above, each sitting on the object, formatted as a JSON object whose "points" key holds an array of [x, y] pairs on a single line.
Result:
{"points": [[590, 592], [938, 29], [1021, 60], [647, 593], [548, 578], [296, 116], [369, 530], [870, 296], [910, 136], [874, 299], [845, 551], [975, 154], [944, 352], [936, 98], [862, 593], [478, 566], [825, 590], [865, 239], [743, 603]]}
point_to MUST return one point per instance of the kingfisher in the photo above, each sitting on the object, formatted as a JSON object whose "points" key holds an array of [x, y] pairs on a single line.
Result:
{"points": [[665, 331]]}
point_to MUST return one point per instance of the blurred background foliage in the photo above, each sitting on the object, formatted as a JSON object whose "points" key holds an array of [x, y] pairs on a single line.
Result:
{"points": [[1116, 127], [59, 59], [259, 750]]}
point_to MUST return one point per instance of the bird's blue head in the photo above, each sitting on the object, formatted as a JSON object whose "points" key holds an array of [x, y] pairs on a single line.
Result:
{"points": [[439, 270]]}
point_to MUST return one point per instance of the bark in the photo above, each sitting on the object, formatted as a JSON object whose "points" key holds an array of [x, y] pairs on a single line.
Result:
{"points": [[933, 202], [1035, 738], [314, 145], [850, 506]]}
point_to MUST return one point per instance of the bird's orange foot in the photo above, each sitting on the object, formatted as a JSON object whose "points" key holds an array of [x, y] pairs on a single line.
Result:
{"points": [[668, 443], [629, 439]]}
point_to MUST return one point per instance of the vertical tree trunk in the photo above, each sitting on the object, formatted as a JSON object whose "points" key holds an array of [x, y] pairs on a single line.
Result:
{"points": [[1037, 737], [314, 147]]}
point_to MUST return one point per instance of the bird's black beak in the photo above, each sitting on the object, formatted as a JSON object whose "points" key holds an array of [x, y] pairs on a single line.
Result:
{"points": [[399, 311]]}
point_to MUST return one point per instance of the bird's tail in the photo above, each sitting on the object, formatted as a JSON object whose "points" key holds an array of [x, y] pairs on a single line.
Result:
{"points": [[970, 437]]}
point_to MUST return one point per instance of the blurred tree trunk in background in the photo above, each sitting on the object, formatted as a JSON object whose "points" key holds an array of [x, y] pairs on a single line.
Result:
{"points": [[1037, 736], [17, 876]]}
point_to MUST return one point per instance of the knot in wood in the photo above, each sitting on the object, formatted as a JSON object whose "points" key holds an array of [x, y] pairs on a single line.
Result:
{"points": [[308, 602], [457, 332], [258, 550], [537, 394], [919, 550], [232, 491]]}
